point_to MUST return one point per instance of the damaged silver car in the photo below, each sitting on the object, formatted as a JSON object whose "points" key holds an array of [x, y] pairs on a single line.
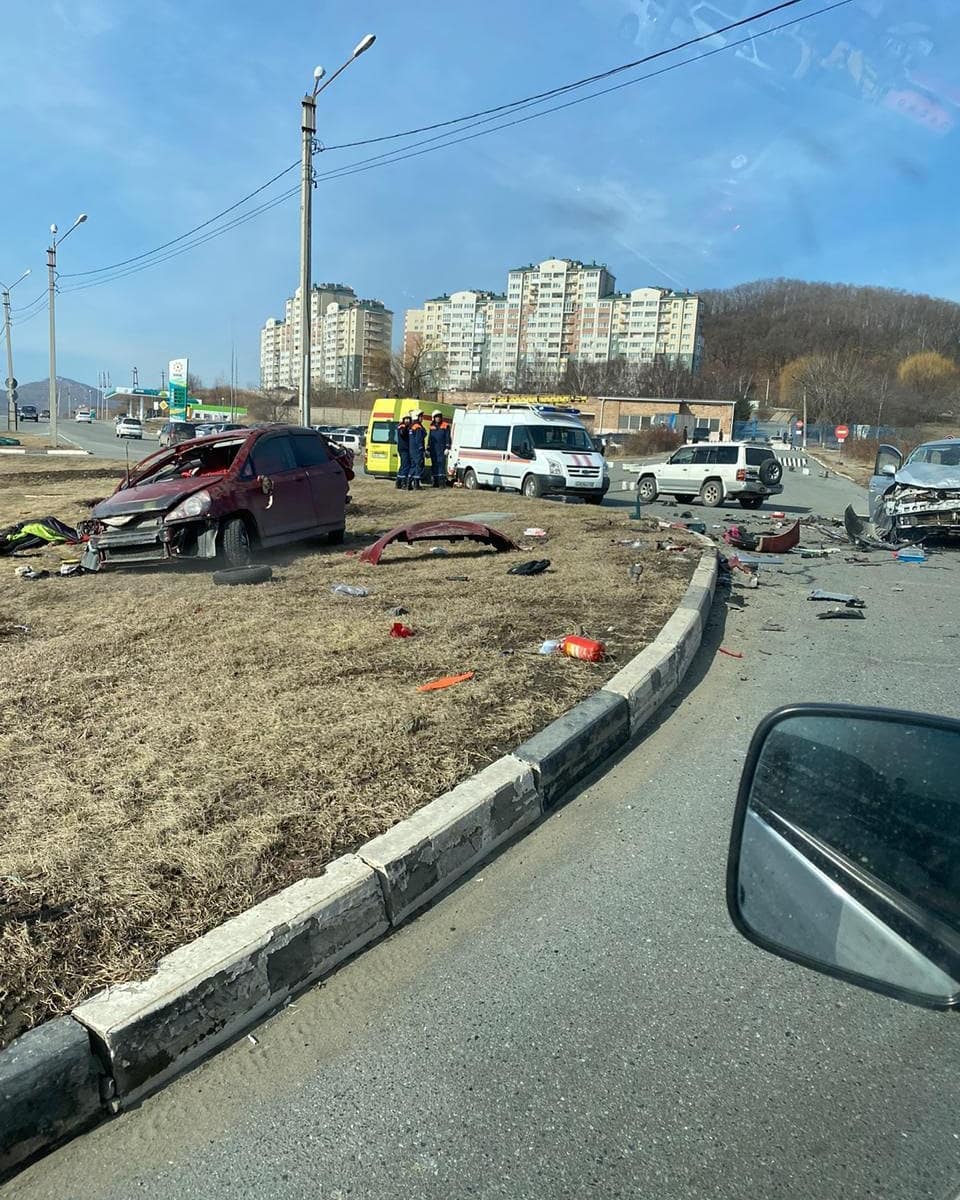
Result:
{"points": [[917, 496]]}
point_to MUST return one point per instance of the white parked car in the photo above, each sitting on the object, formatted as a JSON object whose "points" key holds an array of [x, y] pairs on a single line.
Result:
{"points": [[84, 414], [129, 427], [345, 437], [715, 472]]}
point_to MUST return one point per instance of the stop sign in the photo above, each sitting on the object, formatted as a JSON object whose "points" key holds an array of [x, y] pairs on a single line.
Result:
{"points": [[841, 433]]}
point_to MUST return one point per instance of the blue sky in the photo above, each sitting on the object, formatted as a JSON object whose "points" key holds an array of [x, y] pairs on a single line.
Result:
{"points": [[827, 151]]}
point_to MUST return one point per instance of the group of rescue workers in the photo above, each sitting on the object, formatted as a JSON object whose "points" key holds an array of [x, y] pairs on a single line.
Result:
{"points": [[414, 440]]}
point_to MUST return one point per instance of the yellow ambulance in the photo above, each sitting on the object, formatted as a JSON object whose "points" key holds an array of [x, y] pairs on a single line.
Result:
{"points": [[381, 458]]}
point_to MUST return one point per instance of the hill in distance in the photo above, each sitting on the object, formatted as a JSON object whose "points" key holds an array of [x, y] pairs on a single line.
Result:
{"points": [[73, 394]]}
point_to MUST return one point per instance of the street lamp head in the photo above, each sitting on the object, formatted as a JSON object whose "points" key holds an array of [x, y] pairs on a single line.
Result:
{"points": [[318, 73], [364, 44], [80, 220], [53, 229]]}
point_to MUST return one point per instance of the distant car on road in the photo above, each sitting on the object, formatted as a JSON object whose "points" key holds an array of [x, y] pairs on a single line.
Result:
{"points": [[84, 414], [221, 496], [173, 432], [349, 438], [28, 412], [715, 472], [44, 414], [129, 427]]}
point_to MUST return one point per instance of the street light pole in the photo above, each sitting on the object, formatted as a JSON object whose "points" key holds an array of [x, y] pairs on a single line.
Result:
{"points": [[51, 293], [308, 130], [11, 381]]}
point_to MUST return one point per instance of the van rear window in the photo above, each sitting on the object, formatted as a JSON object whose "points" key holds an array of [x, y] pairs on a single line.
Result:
{"points": [[494, 437], [384, 433]]}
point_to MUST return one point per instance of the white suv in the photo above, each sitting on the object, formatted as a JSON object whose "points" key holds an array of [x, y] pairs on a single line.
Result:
{"points": [[715, 472]]}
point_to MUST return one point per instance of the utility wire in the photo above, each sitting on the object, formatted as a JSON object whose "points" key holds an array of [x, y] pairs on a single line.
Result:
{"points": [[567, 87], [173, 241], [440, 141], [391, 156]]}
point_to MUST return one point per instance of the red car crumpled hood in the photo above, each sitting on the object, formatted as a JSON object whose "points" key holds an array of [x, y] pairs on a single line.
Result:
{"points": [[152, 497]]}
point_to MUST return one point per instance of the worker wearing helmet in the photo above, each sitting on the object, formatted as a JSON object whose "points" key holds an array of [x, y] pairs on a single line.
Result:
{"points": [[439, 439], [418, 437]]}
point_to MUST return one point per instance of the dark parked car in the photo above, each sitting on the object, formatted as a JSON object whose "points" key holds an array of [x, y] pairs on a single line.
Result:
{"points": [[28, 412], [44, 414], [221, 496], [173, 432]]}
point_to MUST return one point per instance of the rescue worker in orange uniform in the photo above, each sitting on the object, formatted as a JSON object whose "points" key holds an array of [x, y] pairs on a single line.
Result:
{"points": [[439, 440], [418, 438]]}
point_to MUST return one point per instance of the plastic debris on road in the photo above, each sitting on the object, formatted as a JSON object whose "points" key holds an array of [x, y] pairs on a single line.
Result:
{"points": [[912, 555], [730, 653], [399, 630], [837, 598], [439, 552], [535, 532], [550, 646], [842, 614], [348, 589]]}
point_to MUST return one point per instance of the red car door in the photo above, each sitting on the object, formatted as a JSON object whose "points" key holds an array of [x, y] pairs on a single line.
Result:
{"points": [[280, 495], [328, 483]]}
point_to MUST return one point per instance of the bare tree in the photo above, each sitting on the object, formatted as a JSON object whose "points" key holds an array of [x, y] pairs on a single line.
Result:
{"points": [[275, 405]]}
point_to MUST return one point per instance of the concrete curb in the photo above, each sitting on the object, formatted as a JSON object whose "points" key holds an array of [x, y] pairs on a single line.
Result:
{"points": [[44, 453], [206, 993], [49, 1089]]}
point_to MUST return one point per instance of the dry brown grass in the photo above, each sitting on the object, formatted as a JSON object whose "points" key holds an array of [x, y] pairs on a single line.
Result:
{"points": [[175, 751]]}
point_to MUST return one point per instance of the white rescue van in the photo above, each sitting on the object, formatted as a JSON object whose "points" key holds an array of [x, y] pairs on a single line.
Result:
{"points": [[530, 448]]}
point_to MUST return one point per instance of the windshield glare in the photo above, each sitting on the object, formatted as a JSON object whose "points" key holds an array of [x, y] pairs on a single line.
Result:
{"points": [[937, 455], [553, 437]]}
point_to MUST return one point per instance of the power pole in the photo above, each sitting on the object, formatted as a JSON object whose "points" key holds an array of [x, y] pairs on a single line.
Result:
{"points": [[804, 418], [11, 381], [308, 129]]}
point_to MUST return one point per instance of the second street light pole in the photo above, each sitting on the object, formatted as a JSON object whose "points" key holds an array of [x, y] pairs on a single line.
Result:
{"points": [[51, 293], [308, 130]]}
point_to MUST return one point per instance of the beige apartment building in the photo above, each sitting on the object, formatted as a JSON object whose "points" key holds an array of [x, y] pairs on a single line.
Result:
{"points": [[345, 333], [553, 313]]}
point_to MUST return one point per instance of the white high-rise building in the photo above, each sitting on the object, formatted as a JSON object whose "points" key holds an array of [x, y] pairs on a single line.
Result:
{"points": [[554, 312], [346, 334]]}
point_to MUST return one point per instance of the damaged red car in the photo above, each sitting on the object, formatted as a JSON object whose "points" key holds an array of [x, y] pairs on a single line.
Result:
{"points": [[221, 497]]}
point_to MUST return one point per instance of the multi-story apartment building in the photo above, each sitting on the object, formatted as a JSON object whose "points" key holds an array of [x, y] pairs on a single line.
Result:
{"points": [[346, 334], [553, 313]]}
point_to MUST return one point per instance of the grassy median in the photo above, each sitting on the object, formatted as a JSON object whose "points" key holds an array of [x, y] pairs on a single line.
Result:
{"points": [[175, 751]]}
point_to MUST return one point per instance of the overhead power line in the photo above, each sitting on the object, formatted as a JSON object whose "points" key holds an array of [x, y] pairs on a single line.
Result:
{"points": [[443, 140], [485, 117], [189, 233], [578, 83]]}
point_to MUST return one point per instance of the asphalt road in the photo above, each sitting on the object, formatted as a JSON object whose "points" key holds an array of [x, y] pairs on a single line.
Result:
{"points": [[98, 437], [579, 1018]]}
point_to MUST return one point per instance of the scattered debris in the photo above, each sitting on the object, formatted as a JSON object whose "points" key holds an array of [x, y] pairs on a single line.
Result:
{"points": [[550, 646], [348, 589], [635, 571], [457, 578], [779, 543], [813, 554], [439, 552], [856, 528], [30, 573], [28, 535], [252, 1040], [730, 653], [837, 598], [842, 614], [773, 629], [399, 630], [399, 611], [697, 527], [574, 646], [437, 685], [830, 534], [535, 532], [913, 555], [430, 531], [535, 566]]}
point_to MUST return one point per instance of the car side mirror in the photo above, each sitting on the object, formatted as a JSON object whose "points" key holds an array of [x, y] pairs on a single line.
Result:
{"points": [[845, 849], [889, 470]]}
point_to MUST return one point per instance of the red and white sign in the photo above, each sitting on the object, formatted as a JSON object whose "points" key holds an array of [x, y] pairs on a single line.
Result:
{"points": [[841, 433]]}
